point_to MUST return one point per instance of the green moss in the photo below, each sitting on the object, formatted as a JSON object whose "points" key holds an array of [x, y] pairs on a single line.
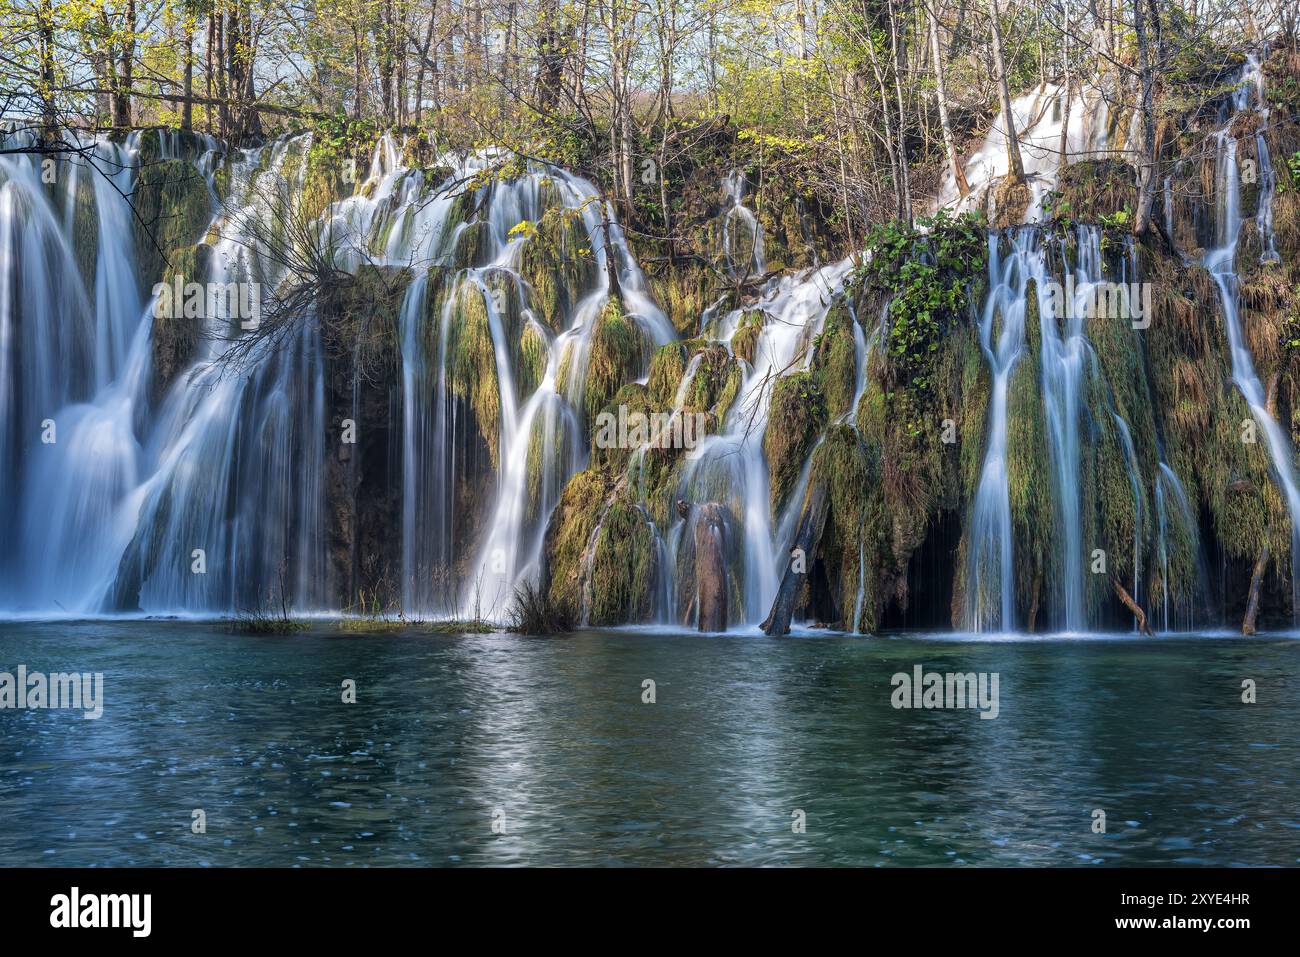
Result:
{"points": [[1029, 485], [567, 539], [635, 398], [174, 340], [834, 362], [624, 567], [556, 259], [617, 353], [796, 417], [1090, 191], [534, 351], [472, 364], [667, 366], [85, 230], [716, 377], [172, 209], [853, 538], [684, 292], [744, 341]]}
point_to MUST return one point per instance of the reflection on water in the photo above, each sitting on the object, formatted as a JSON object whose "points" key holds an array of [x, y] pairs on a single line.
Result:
{"points": [[553, 735]]}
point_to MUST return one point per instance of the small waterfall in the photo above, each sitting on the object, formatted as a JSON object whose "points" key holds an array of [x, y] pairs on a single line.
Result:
{"points": [[990, 561], [1169, 489], [1039, 115], [742, 234], [1221, 264], [1065, 351], [730, 466]]}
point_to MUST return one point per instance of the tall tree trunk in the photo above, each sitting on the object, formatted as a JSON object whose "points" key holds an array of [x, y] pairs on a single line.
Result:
{"points": [[1150, 148], [125, 70], [1014, 164], [1256, 587], [187, 108], [941, 94], [49, 112]]}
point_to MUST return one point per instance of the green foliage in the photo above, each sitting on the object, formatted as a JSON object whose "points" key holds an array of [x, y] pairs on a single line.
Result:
{"points": [[796, 417], [928, 276], [1290, 183], [340, 140], [618, 355]]}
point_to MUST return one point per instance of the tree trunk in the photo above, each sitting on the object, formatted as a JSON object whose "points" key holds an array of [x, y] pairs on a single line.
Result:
{"points": [[1150, 147], [1256, 586], [1014, 164], [1122, 593], [711, 567], [941, 94], [187, 105], [811, 524]]}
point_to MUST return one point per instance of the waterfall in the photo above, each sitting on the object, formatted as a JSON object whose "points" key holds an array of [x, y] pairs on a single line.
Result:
{"points": [[1169, 487], [743, 246], [212, 498], [1039, 116], [730, 466], [990, 561], [1221, 262]]}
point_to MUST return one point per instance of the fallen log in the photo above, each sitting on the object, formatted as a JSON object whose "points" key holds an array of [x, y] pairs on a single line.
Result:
{"points": [[811, 523], [1122, 593], [1256, 586]]}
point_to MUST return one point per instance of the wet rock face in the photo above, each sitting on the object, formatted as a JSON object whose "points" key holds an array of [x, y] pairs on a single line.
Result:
{"points": [[174, 338], [172, 209], [710, 534], [363, 483]]}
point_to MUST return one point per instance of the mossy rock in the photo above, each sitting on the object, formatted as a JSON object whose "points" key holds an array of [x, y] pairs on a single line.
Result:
{"points": [[607, 451], [174, 340], [568, 537], [172, 208], [1010, 198], [624, 566], [667, 366], [187, 144], [534, 352], [714, 383], [744, 341], [1031, 495], [1093, 189], [84, 229], [796, 417], [853, 538], [473, 245], [550, 447], [684, 291], [617, 354], [557, 260], [471, 360], [834, 362]]}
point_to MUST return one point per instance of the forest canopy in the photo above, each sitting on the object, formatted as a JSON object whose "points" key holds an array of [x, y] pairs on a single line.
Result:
{"points": [[866, 102]]}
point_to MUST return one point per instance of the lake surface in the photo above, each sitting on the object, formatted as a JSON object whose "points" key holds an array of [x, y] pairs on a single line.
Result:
{"points": [[550, 739]]}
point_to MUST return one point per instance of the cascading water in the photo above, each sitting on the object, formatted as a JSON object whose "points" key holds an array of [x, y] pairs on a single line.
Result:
{"points": [[991, 572], [1221, 263], [213, 499], [742, 233], [730, 466]]}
